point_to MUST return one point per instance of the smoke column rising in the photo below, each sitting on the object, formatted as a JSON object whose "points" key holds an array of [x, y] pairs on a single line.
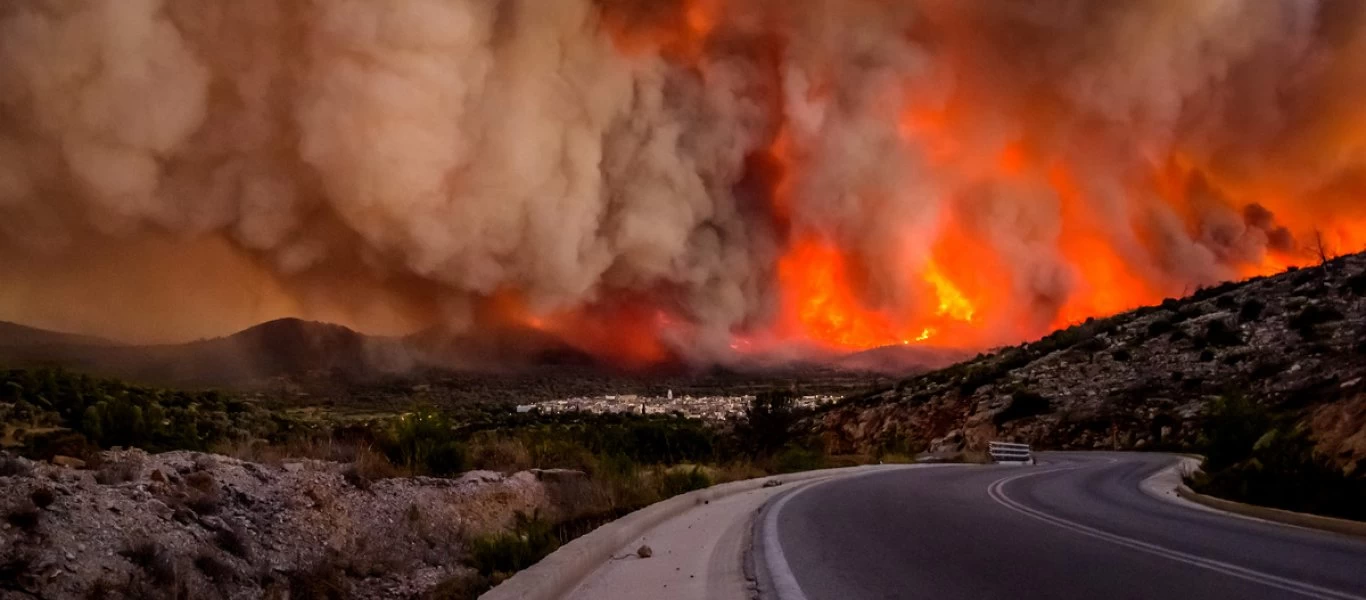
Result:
{"points": [[667, 177]]}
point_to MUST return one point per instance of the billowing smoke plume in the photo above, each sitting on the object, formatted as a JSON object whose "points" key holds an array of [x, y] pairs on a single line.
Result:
{"points": [[842, 172]]}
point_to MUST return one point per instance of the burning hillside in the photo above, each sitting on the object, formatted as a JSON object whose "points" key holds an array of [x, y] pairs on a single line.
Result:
{"points": [[655, 179]]}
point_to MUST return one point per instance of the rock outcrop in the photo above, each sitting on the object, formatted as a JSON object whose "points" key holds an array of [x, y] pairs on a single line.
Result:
{"points": [[1294, 343], [184, 524]]}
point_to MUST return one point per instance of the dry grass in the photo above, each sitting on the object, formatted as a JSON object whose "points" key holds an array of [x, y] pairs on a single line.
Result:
{"points": [[262, 452], [116, 472], [500, 454]]}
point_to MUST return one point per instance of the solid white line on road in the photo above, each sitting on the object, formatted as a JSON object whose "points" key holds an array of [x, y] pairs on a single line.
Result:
{"points": [[997, 493], [785, 584]]}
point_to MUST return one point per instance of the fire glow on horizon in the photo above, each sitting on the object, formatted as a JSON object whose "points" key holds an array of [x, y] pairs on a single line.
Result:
{"points": [[663, 180]]}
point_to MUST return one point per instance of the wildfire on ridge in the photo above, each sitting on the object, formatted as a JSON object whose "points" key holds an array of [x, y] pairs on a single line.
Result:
{"points": [[655, 179], [966, 288]]}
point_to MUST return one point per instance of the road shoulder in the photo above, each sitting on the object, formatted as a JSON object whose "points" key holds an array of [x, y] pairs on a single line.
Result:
{"points": [[1169, 485]]}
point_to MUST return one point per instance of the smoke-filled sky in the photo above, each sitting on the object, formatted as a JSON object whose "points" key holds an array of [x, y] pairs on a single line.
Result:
{"points": [[695, 176]]}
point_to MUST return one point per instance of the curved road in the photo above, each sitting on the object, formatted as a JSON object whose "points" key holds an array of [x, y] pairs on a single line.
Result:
{"points": [[1074, 526]]}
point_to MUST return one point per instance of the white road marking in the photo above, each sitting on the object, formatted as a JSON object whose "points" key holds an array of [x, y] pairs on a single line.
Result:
{"points": [[779, 573], [785, 584], [997, 492]]}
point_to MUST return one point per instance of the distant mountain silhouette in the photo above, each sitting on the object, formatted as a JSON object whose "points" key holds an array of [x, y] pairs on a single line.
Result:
{"points": [[305, 351], [900, 359], [281, 348], [496, 348], [14, 334]]}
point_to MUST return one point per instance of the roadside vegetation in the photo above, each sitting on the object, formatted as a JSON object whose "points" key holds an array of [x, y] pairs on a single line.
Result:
{"points": [[1256, 457], [629, 461]]}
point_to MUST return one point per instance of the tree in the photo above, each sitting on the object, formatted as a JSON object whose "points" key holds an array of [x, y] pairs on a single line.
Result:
{"points": [[91, 423], [1321, 249], [767, 425]]}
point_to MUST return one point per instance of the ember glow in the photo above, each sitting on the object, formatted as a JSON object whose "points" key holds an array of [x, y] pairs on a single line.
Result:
{"points": [[655, 180]]}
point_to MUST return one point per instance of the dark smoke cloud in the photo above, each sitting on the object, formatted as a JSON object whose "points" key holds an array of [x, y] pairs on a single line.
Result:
{"points": [[390, 164]]}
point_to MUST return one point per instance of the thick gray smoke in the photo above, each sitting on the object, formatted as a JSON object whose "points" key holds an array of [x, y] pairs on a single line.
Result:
{"points": [[397, 162]]}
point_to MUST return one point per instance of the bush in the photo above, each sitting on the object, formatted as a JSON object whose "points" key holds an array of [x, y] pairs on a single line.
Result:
{"points": [[42, 497], [423, 443], [1219, 334], [1356, 284], [204, 503], [502, 554], [767, 424], [1282, 470], [18, 568], [367, 468], [505, 455], [154, 560], [1232, 427], [202, 481], [325, 580], [214, 568], [23, 518], [1024, 404], [232, 538], [681, 481], [1251, 311], [123, 471], [1306, 322], [794, 459]]}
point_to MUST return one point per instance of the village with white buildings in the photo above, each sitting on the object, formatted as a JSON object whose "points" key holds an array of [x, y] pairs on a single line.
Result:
{"points": [[708, 408]]}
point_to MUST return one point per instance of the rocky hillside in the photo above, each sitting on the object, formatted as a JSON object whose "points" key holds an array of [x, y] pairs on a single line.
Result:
{"points": [[1294, 343], [189, 525]]}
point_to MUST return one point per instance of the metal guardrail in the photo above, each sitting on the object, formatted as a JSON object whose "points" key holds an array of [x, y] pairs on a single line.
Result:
{"points": [[1005, 452]]}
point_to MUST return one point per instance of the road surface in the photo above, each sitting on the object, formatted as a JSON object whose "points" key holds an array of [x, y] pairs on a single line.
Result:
{"points": [[1074, 526]]}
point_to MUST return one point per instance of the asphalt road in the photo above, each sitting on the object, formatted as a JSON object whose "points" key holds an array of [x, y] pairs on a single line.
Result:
{"points": [[1074, 526]]}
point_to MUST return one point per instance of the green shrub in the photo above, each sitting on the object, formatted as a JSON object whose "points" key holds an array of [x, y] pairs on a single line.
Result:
{"points": [[1282, 470], [794, 459], [503, 554], [424, 442], [681, 481], [767, 424], [1024, 404], [1232, 427]]}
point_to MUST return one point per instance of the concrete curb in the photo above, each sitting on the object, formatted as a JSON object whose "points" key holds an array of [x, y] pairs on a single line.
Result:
{"points": [[1275, 515], [1193, 462], [559, 573]]}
